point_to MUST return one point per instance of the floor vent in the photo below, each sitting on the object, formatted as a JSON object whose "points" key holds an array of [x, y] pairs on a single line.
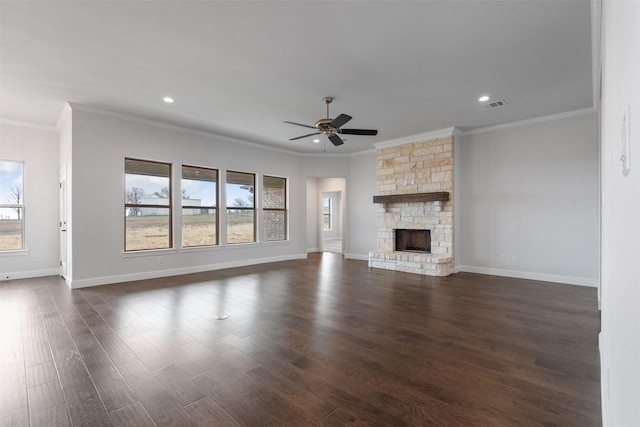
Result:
{"points": [[495, 104]]}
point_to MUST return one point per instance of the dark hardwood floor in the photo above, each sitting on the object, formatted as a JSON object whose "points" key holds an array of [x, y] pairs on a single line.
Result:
{"points": [[323, 341]]}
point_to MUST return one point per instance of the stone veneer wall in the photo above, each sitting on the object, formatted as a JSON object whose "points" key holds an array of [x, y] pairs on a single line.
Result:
{"points": [[418, 167], [274, 224]]}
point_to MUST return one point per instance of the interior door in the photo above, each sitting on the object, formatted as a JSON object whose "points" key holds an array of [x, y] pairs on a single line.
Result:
{"points": [[63, 222]]}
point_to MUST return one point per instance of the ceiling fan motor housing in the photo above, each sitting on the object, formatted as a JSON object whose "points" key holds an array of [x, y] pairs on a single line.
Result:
{"points": [[323, 125]]}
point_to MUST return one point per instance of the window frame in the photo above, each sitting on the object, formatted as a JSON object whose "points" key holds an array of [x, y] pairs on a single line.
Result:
{"points": [[284, 209], [252, 208], [157, 206], [20, 206], [215, 207], [329, 215]]}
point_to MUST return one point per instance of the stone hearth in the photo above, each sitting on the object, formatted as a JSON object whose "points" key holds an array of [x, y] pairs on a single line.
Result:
{"points": [[407, 169]]}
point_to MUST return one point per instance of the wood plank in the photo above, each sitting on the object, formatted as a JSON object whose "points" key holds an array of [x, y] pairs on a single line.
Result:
{"points": [[436, 196], [40, 374], [181, 388], [113, 345], [143, 350], [83, 400], [52, 417], [45, 396], [115, 393], [13, 393], [133, 415], [14, 419], [11, 350], [162, 408], [206, 413], [233, 398], [35, 341], [84, 404]]}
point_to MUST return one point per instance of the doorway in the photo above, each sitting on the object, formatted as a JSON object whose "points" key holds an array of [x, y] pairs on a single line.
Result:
{"points": [[331, 223], [63, 223]]}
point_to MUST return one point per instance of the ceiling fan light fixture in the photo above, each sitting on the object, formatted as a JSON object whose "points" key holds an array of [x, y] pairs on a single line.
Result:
{"points": [[330, 128]]}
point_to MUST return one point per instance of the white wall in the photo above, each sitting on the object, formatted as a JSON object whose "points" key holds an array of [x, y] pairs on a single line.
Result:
{"points": [[329, 166], [620, 337], [531, 192], [38, 149], [313, 216], [100, 144], [361, 218]]}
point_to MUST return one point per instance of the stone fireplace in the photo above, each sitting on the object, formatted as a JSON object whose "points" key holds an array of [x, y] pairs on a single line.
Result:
{"points": [[415, 192]]}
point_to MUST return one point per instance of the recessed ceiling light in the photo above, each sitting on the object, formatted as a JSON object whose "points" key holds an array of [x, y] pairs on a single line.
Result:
{"points": [[484, 98], [316, 140], [168, 99]]}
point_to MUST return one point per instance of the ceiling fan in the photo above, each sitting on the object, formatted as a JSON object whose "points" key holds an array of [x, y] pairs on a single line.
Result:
{"points": [[332, 127]]}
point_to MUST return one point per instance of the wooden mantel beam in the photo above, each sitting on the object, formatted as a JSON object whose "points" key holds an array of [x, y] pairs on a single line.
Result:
{"points": [[435, 196]]}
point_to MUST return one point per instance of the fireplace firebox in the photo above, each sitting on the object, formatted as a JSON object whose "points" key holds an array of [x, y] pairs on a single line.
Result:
{"points": [[411, 240]]}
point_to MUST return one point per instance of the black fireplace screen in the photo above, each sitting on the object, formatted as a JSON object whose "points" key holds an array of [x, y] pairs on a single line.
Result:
{"points": [[409, 240]]}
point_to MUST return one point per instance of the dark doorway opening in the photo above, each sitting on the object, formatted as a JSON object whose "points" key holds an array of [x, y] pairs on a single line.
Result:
{"points": [[410, 240]]}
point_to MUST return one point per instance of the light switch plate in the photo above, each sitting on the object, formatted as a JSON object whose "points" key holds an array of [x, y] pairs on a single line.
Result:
{"points": [[626, 142]]}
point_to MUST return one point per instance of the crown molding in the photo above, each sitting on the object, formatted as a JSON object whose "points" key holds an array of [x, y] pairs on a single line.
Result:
{"points": [[535, 120], [362, 153], [441, 133], [178, 128], [28, 125]]}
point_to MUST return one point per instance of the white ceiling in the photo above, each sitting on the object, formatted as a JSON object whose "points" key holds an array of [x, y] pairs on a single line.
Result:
{"points": [[240, 68]]}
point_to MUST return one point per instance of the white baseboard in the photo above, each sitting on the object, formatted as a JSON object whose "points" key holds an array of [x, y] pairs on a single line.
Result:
{"points": [[106, 280], [570, 280], [360, 257], [30, 274], [604, 380], [309, 250]]}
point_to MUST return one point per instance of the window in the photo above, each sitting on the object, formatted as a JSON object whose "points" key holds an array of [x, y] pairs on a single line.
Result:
{"points": [[274, 208], [241, 218], [11, 205], [199, 206], [326, 213], [147, 205]]}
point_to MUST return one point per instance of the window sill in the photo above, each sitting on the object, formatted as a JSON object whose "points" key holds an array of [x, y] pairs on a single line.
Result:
{"points": [[241, 245], [200, 248], [276, 242], [14, 252], [150, 252]]}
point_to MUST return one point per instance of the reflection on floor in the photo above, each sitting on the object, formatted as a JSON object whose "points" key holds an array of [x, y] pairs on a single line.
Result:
{"points": [[332, 245]]}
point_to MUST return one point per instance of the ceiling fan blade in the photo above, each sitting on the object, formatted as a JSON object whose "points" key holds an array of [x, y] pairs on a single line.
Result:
{"points": [[335, 139], [370, 132], [304, 136], [299, 124], [339, 121]]}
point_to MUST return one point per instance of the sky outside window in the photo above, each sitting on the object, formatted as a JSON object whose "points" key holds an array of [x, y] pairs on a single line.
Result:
{"points": [[11, 185]]}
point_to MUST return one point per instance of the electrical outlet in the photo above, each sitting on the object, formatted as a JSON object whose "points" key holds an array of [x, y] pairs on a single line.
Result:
{"points": [[502, 258], [514, 258], [34, 259], [160, 260]]}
